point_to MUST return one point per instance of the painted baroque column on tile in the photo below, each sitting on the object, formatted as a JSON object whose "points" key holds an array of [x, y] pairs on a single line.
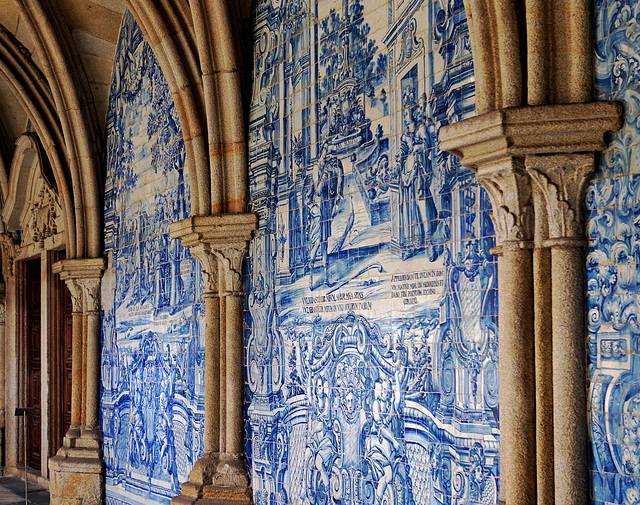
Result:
{"points": [[220, 243], [541, 141], [77, 470]]}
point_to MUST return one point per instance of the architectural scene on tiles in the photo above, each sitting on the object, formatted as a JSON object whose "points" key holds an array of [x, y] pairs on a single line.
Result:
{"points": [[152, 343], [371, 307]]}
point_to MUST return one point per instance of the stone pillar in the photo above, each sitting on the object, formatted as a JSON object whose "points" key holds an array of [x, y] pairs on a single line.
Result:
{"points": [[509, 189], [77, 470], [76, 358], [541, 142], [543, 355], [2, 361], [561, 180], [220, 243]]}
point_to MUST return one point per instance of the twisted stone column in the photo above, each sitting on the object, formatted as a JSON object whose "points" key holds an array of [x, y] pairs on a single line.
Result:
{"points": [[77, 470], [220, 243]]}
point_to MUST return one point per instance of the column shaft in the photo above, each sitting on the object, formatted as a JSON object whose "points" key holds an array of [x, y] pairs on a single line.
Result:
{"points": [[235, 374], [76, 370], [93, 370], [569, 379], [85, 330], [223, 375], [211, 436], [517, 377], [544, 375]]}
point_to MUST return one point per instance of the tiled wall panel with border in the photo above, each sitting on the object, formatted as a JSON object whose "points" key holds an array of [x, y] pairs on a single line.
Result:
{"points": [[371, 307], [152, 395]]}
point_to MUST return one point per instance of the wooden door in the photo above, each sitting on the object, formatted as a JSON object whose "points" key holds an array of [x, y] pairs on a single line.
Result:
{"points": [[66, 348], [33, 281]]}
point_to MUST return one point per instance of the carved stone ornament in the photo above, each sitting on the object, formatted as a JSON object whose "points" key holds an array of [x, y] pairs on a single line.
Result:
{"points": [[231, 257], [9, 243], [224, 237], [209, 261], [83, 277], [76, 296], [509, 189], [90, 294], [562, 180], [44, 216]]}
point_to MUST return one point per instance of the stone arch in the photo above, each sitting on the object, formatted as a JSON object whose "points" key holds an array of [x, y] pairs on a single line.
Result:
{"points": [[32, 91], [530, 53], [197, 53], [78, 121]]}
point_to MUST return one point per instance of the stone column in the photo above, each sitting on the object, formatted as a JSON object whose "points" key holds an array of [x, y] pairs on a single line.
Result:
{"points": [[205, 467], [76, 359], [510, 193], [2, 361], [543, 140], [220, 243], [543, 355], [561, 180], [77, 470]]}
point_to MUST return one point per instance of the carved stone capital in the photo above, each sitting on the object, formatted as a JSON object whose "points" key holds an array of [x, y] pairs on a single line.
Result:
{"points": [[90, 294], [77, 299], [561, 180], [231, 257], [209, 261], [225, 236], [83, 278], [509, 189], [521, 131], [10, 245], [511, 150]]}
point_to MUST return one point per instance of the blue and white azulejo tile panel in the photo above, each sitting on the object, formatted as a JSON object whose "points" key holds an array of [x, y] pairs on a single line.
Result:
{"points": [[371, 303], [152, 395], [612, 275]]}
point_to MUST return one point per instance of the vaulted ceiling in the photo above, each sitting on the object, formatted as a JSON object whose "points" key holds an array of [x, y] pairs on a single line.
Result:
{"points": [[94, 27], [56, 60]]}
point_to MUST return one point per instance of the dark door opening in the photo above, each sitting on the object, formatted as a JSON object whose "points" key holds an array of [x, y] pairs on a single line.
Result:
{"points": [[33, 287]]}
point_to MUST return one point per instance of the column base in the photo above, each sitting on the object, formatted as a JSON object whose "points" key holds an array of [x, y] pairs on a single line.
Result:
{"points": [[77, 470], [217, 479]]}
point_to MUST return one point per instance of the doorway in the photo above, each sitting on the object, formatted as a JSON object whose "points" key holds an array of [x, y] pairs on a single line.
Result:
{"points": [[34, 362]]}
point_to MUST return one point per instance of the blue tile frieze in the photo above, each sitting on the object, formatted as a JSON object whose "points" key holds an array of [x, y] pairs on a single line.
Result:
{"points": [[152, 395], [371, 308]]}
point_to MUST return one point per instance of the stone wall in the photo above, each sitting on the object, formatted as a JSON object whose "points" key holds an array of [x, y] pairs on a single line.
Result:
{"points": [[371, 292], [152, 397], [612, 257]]}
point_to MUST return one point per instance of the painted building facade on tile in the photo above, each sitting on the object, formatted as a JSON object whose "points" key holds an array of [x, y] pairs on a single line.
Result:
{"points": [[371, 341], [612, 257], [152, 349]]}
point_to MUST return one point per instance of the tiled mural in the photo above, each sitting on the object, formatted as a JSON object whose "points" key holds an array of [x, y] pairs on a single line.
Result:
{"points": [[153, 350], [371, 294], [613, 279]]}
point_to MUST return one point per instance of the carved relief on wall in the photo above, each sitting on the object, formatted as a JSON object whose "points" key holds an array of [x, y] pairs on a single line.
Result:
{"points": [[43, 214]]}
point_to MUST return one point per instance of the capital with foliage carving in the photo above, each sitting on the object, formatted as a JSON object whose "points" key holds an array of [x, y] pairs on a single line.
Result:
{"points": [[546, 148], [561, 180], [220, 243], [83, 278]]}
